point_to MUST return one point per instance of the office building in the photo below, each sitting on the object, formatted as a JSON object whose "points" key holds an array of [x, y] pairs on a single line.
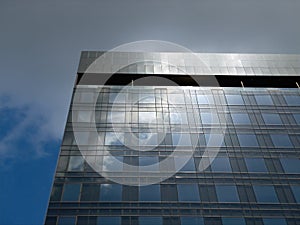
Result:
{"points": [[180, 138]]}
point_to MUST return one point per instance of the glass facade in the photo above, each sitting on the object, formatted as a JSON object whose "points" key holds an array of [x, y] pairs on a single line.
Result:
{"points": [[253, 172]]}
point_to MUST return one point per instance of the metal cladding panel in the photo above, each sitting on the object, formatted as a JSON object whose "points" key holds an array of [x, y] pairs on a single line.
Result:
{"points": [[177, 63]]}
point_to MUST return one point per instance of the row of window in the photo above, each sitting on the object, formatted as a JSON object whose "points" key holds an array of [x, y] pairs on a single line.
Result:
{"points": [[172, 192], [201, 99], [156, 220], [218, 164]]}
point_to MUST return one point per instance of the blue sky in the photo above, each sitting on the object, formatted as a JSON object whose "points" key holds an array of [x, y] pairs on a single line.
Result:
{"points": [[40, 44]]}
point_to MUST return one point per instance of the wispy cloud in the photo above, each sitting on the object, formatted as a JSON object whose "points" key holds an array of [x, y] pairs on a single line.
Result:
{"points": [[25, 130]]}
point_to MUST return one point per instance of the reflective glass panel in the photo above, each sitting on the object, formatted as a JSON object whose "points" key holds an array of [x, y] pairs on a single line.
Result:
{"points": [[112, 138], [110, 192], [150, 193], [76, 163], [112, 163], [240, 118], [296, 192], [292, 100], [274, 221], [297, 118], [265, 193], [247, 140], [191, 220], [227, 193], [233, 221], [116, 117], [209, 118], [148, 161], [147, 117], [180, 139], [117, 97], [271, 118], [147, 139], [281, 141], [290, 165], [234, 100], [256, 164], [263, 99], [68, 220], [178, 118], [108, 220], [71, 192], [221, 164], [150, 220], [188, 192]]}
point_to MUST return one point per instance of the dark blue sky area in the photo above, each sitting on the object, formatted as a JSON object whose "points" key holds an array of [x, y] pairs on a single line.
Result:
{"points": [[40, 45]]}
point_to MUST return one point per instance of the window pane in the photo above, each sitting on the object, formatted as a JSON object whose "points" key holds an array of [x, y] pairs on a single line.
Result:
{"points": [[203, 99], [264, 100], [117, 97], [71, 192], [188, 192], [181, 139], [240, 118], [297, 118], [116, 117], [148, 161], [209, 118], [191, 220], [293, 100], [176, 99], [247, 140], [111, 220], [90, 192], [233, 221], [290, 165], [111, 192], [256, 164], [111, 163], [112, 138], [274, 221], [296, 192], [70, 220], [265, 193], [271, 118], [147, 139], [147, 117], [227, 193], [150, 220], [76, 163], [178, 118], [150, 193], [188, 166], [221, 164], [234, 100], [281, 141]]}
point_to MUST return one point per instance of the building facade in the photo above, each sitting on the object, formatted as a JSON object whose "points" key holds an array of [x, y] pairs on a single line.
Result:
{"points": [[180, 138]]}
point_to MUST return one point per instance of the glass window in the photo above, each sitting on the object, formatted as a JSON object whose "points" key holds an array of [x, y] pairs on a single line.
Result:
{"points": [[234, 100], [117, 97], [178, 118], [293, 100], [227, 193], [296, 192], [176, 99], [265, 193], [191, 220], [112, 138], [290, 165], [87, 97], [148, 161], [240, 118], [247, 140], [76, 163], [264, 100], [281, 141], [214, 140], [271, 118], [147, 139], [221, 164], [256, 164], [203, 99], [209, 118], [150, 193], [116, 117], [90, 192], [66, 220], [274, 221], [147, 117], [150, 220], [297, 118], [188, 166], [180, 139], [84, 116], [111, 163], [188, 192], [108, 220], [110, 192], [233, 221], [71, 192]]}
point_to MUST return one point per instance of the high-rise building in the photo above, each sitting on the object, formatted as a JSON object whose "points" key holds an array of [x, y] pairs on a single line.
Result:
{"points": [[180, 138]]}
